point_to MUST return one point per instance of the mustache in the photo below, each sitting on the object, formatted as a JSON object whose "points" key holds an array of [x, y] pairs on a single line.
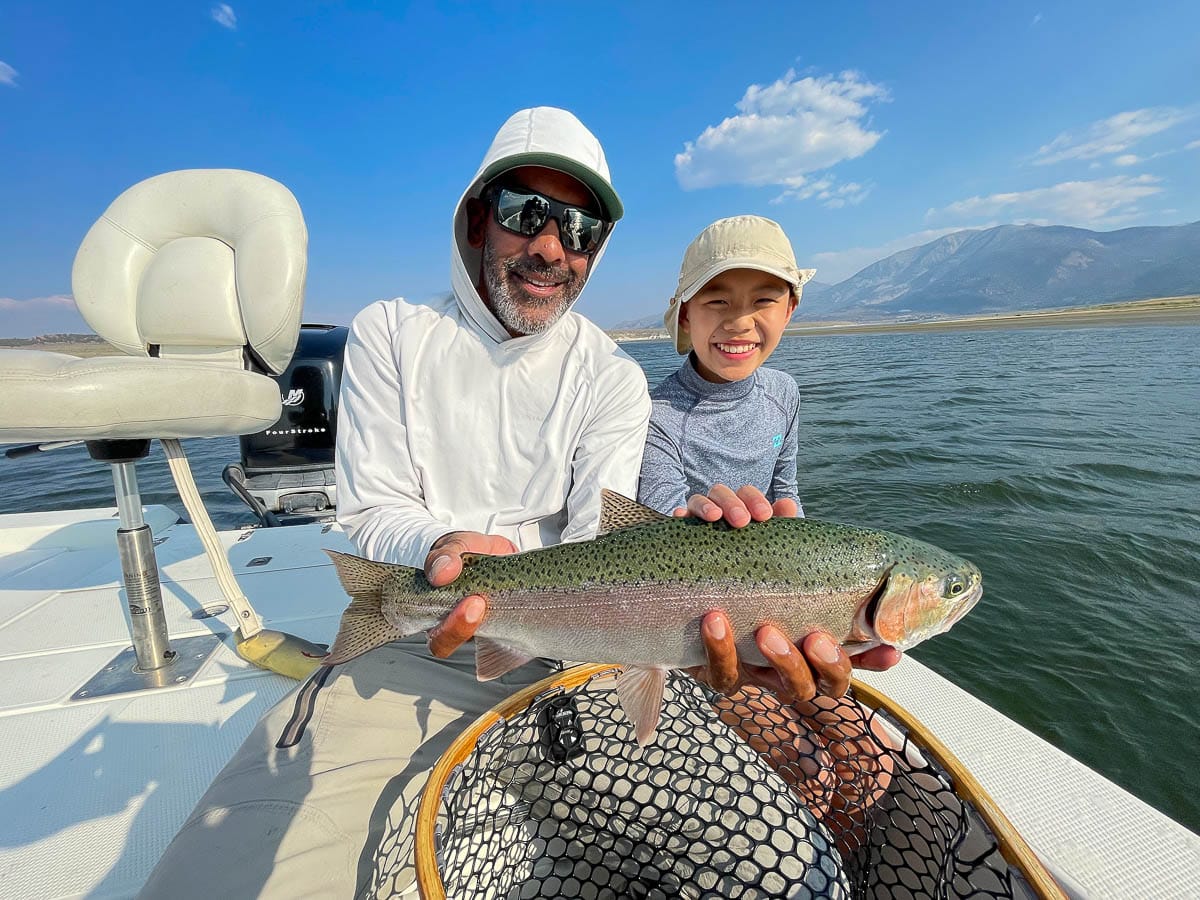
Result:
{"points": [[543, 272]]}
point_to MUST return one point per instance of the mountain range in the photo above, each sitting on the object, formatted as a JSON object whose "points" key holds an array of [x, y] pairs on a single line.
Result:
{"points": [[1009, 268]]}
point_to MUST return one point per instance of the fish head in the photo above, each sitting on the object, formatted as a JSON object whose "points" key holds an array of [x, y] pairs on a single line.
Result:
{"points": [[920, 596]]}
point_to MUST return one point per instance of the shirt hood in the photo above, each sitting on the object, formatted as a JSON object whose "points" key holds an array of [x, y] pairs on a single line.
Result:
{"points": [[542, 136]]}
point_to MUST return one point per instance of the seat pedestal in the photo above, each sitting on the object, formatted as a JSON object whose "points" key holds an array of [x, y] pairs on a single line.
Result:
{"points": [[139, 567]]}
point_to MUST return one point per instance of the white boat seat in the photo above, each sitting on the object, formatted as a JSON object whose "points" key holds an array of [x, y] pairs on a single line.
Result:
{"points": [[52, 396], [197, 277]]}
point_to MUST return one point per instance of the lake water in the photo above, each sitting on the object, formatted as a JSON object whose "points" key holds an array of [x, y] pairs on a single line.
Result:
{"points": [[1065, 463]]}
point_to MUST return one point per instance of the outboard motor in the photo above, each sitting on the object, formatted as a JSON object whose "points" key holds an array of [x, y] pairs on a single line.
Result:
{"points": [[286, 472]]}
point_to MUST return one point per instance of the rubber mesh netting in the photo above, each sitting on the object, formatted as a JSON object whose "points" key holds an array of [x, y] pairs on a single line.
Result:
{"points": [[740, 797]]}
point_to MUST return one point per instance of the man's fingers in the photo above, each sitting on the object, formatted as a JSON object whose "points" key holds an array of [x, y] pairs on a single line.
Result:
{"points": [[444, 563], [790, 665], [721, 649], [458, 627], [829, 663], [877, 659], [499, 546]]}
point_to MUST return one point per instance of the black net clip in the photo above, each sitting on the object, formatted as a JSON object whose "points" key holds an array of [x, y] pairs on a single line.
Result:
{"points": [[561, 731]]}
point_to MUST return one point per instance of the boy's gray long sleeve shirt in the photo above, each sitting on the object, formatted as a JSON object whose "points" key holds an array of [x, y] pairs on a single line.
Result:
{"points": [[738, 433]]}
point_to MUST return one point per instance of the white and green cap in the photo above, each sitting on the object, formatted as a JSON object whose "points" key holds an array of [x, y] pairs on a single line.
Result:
{"points": [[553, 138], [739, 242]]}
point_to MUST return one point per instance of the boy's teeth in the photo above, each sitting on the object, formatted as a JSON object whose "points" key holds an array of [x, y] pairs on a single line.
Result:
{"points": [[735, 348]]}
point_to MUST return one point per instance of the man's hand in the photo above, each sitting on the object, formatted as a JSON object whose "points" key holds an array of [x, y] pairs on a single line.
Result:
{"points": [[877, 659], [442, 565], [796, 672]]}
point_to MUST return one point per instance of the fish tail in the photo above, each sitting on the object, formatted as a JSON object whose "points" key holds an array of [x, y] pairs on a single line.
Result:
{"points": [[363, 626]]}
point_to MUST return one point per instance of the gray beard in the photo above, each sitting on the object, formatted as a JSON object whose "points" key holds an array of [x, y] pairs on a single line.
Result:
{"points": [[511, 308]]}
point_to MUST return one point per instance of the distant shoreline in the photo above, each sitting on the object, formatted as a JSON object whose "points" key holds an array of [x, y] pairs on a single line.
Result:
{"points": [[1159, 311]]}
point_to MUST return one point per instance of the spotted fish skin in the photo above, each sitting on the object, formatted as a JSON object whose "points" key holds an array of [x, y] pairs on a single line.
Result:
{"points": [[636, 594]]}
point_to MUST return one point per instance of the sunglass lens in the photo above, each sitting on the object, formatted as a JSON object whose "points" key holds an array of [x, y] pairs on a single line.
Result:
{"points": [[580, 232], [526, 213], [523, 213]]}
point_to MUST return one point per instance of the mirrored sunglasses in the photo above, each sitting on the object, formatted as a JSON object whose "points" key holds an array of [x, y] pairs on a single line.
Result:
{"points": [[526, 212]]}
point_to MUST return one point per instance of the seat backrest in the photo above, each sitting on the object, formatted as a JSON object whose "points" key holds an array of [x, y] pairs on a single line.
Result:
{"points": [[199, 264]]}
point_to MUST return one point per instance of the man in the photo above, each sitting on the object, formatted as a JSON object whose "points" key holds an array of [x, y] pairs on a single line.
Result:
{"points": [[486, 422]]}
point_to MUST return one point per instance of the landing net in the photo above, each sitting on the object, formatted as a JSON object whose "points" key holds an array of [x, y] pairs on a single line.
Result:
{"points": [[744, 798]]}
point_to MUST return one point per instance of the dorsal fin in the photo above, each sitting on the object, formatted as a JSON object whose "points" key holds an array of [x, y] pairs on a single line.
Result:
{"points": [[617, 512]]}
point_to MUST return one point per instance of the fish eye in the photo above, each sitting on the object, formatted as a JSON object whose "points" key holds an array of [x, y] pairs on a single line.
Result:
{"points": [[955, 585]]}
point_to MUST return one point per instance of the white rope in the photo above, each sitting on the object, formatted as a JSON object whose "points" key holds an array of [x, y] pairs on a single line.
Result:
{"points": [[249, 623]]}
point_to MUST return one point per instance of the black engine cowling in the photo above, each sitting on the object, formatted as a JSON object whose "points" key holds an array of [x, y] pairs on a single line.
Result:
{"points": [[287, 469]]}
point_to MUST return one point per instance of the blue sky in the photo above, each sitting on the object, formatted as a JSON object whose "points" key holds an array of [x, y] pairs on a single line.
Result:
{"points": [[862, 128]]}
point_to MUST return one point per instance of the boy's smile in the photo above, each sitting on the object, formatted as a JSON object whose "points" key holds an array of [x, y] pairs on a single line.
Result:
{"points": [[735, 321]]}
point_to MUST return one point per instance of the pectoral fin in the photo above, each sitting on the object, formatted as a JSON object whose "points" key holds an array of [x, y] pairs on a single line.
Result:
{"points": [[640, 693], [493, 659]]}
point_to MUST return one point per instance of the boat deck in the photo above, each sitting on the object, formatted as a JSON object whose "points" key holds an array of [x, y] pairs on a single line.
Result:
{"points": [[93, 788]]}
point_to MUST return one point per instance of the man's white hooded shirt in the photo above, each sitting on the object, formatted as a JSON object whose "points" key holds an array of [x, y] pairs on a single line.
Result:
{"points": [[446, 423]]}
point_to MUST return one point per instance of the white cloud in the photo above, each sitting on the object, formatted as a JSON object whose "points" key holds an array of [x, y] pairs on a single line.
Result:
{"points": [[1104, 201], [8, 75], [826, 189], [224, 16], [56, 301], [54, 314], [838, 265], [1131, 159], [783, 132], [1111, 136]]}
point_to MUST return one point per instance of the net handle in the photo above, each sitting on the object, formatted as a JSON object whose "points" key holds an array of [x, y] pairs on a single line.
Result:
{"points": [[429, 876], [1012, 846]]}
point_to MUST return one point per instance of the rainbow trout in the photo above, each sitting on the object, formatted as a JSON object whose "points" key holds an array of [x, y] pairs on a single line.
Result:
{"points": [[635, 595]]}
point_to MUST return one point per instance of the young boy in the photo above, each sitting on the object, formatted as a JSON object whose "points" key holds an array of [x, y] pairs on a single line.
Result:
{"points": [[721, 419]]}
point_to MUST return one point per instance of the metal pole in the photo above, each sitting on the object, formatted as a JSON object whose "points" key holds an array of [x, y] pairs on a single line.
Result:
{"points": [[135, 543]]}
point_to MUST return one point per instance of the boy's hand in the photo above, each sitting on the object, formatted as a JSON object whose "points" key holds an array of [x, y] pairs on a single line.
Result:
{"points": [[442, 565], [739, 509]]}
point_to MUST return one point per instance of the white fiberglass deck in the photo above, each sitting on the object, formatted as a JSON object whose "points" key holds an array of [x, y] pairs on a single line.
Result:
{"points": [[91, 791]]}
